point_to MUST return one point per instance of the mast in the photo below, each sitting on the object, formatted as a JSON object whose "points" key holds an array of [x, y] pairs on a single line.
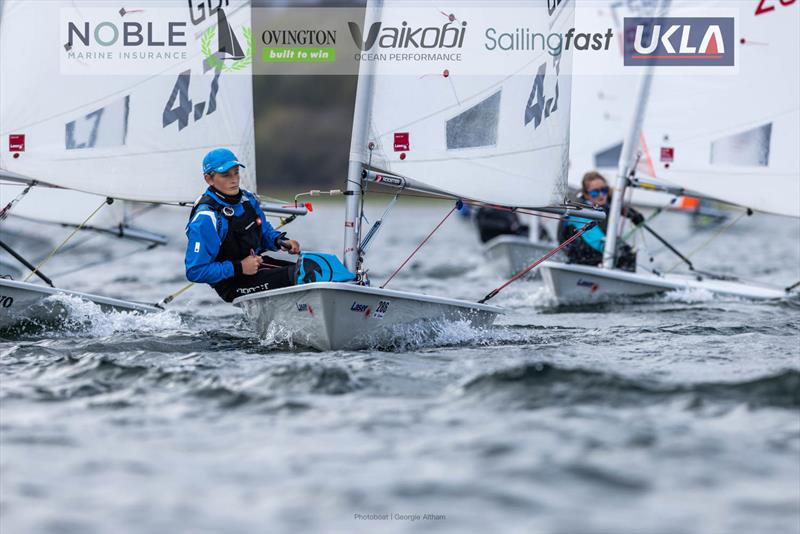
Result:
{"points": [[358, 145], [627, 159]]}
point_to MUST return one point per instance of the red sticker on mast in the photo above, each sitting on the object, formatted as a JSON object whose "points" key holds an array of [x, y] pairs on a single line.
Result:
{"points": [[667, 154], [16, 143], [401, 142]]}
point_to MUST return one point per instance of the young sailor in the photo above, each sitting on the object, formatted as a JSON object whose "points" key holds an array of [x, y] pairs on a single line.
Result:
{"points": [[588, 250], [227, 231]]}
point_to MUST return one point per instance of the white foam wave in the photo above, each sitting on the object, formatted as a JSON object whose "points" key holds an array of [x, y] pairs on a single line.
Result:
{"points": [[524, 295], [277, 335], [688, 296], [88, 319]]}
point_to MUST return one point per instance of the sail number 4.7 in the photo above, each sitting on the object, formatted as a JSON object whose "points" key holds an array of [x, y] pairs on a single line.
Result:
{"points": [[184, 108]]}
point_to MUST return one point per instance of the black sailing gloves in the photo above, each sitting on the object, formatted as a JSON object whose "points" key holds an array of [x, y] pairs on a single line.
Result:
{"points": [[635, 217]]}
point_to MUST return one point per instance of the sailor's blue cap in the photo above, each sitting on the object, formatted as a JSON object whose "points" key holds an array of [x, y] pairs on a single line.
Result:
{"points": [[219, 160]]}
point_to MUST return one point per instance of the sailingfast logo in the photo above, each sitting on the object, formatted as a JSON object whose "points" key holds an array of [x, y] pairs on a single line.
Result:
{"points": [[679, 41]]}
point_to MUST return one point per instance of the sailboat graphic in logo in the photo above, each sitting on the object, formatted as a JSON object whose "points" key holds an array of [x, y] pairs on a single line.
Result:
{"points": [[229, 55], [229, 47]]}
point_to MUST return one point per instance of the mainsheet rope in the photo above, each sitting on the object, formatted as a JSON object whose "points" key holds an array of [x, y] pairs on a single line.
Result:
{"points": [[704, 244], [70, 236], [547, 256], [169, 298], [449, 213]]}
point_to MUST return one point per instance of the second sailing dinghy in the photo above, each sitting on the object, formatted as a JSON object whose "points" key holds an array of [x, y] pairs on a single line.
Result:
{"points": [[513, 253], [473, 137], [711, 145]]}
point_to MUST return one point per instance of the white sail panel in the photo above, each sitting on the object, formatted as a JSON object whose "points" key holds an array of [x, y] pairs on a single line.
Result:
{"points": [[736, 137], [499, 138], [603, 99], [137, 137]]}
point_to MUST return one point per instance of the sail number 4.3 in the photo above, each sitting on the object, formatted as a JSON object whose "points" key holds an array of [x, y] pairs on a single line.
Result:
{"points": [[539, 107]]}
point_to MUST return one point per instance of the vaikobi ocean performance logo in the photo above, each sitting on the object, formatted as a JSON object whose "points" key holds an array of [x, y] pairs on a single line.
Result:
{"points": [[410, 42], [679, 41]]}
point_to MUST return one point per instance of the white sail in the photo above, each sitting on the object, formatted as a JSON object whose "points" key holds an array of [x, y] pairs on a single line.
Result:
{"points": [[732, 137], [735, 137], [137, 137], [603, 98], [500, 138]]}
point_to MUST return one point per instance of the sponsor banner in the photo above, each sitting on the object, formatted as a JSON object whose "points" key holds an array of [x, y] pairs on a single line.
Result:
{"points": [[449, 39]]}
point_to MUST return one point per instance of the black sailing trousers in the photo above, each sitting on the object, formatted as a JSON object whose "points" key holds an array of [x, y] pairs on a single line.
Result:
{"points": [[274, 274]]}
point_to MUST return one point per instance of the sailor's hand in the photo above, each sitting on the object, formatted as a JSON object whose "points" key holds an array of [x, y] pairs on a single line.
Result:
{"points": [[291, 246], [251, 264], [635, 217]]}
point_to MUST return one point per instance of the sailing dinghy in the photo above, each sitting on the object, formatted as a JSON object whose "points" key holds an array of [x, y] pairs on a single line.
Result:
{"points": [[722, 144], [512, 253], [135, 137], [449, 135]]}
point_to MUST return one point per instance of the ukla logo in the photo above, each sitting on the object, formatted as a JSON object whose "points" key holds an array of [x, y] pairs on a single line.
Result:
{"points": [[679, 41]]}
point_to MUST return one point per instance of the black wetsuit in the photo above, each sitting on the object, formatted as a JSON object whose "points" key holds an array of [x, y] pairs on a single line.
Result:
{"points": [[494, 222]]}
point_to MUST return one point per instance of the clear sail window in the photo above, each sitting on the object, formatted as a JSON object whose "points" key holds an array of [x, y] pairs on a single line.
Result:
{"points": [[608, 157], [745, 149], [476, 126]]}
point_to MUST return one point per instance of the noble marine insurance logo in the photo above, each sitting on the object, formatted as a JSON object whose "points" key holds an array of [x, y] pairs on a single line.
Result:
{"points": [[106, 40], [102, 38]]}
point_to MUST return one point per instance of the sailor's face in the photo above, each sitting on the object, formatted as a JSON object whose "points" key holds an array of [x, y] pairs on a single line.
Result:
{"points": [[597, 192], [226, 182]]}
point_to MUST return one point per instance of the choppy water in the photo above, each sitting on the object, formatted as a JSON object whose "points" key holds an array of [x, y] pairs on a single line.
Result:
{"points": [[678, 413]]}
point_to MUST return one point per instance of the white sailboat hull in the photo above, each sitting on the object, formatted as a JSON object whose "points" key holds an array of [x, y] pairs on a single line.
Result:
{"points": [[23, 300], [338, 316], [585, 283], [514, 253]]}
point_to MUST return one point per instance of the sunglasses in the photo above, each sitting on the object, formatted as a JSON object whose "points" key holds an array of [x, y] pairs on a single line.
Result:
{"points": [[594, 193]]}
